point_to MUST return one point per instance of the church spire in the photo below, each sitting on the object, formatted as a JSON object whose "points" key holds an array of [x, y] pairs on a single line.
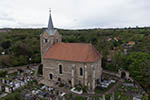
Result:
{"points": [[50, 23], [51, 29]]}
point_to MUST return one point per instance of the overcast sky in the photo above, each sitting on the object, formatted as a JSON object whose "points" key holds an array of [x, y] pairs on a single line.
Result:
{"points": [[74, 14]]}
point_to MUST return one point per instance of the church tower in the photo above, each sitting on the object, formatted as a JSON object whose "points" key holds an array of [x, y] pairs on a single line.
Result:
{"points": [[49, 37]]}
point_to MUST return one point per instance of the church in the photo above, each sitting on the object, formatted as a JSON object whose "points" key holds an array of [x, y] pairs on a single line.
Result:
{"points": [[68, 63]]}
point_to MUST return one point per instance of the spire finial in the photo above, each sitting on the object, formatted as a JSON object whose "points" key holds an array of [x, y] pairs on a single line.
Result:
{"points": [[49, 10]]}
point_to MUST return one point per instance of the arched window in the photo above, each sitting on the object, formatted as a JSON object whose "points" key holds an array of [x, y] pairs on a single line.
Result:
{"points": [[51, 76], [45, 40], [81, 71], [60, 69], [59, 79], [69, 81]]}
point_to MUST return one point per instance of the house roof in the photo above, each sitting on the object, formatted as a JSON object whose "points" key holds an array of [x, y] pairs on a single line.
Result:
{"points": [[79, 52], [131, 43], [117, 38]]}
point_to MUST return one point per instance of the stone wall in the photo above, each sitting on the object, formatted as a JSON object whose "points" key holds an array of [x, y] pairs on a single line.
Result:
{"points": [[119, 74], [51, 40], [69, 69]]}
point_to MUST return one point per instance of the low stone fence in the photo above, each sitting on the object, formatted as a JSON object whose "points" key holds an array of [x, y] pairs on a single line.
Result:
{"points": [[111, 73], [15, 69]]}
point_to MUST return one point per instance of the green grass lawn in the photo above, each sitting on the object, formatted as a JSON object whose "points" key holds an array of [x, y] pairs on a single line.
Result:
{"points": [[76, 97], [99, 91], [145, 97], [80, 98], [108, 96], [96, 97], [13, 96]]}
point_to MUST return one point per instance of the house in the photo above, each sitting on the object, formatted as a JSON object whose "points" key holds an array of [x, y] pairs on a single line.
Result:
{"points": [[117, 38], [68, 63], [131, 43]]}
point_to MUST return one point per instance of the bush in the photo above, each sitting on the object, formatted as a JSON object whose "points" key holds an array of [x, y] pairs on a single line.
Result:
{"points": [[61, 85], [84, 88], [78, 88], [3, 73], [99, 90], [13, 96], [80, 98]]}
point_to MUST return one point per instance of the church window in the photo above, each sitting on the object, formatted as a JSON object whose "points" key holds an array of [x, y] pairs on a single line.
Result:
{"points": [[45, 40], [59, 79], [51, 76], [81, 71], [69, 81], [60, 69]]}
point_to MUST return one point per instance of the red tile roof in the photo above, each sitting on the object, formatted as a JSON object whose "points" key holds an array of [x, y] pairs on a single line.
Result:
{"points": [[131, 43], [80, 52]]}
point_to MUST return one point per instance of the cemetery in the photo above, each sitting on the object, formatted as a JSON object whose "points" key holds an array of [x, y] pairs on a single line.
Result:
{"points": [[23, 85]]}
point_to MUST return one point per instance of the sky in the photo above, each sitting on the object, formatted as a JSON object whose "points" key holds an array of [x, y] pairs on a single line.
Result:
{"points": [[75, 14]]}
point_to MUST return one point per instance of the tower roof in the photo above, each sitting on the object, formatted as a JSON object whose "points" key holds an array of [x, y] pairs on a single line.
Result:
{"points": [[51, 30]]}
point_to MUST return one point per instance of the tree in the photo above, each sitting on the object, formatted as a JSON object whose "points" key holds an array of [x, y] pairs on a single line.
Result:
{"points": [[3, 73], [140, 69], [119, 60], [5, 44]]}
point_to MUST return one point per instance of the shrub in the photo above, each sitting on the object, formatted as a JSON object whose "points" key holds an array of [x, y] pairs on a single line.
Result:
{"points": [[84, 88], [61, 85], [3, 73]]}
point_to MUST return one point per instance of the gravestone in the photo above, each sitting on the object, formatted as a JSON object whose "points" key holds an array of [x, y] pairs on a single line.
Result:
{"points": [[8, 90], [103, 97], [0, 87], [3, 81]]}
